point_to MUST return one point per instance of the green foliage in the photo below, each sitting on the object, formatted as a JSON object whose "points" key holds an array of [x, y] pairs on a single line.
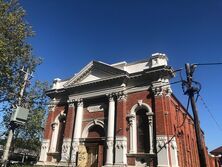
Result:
{"points": [[15, 54], [29, 136]]}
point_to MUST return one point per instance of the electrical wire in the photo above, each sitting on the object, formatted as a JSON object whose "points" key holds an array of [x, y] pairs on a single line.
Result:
{"points": [[210, 113], [207, 64], [184, 118]]}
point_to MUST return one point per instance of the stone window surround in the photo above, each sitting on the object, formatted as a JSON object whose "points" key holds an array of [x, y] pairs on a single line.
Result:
{"points": [[132, 123]]}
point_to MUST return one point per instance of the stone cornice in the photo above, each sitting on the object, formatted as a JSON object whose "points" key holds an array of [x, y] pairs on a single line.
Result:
{"points": [[96, 88], [93, 65], [98, 81]]}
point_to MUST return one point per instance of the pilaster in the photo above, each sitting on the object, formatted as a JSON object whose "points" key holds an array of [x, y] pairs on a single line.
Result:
{"points": [[65, 155], [133, 134], [150, 125], [121, 151], [44, 151], [66, 146], [163, 145]]}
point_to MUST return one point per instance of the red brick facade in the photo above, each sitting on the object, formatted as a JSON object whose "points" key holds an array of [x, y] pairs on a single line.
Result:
{"points": [[116, 125], [171, 119]]}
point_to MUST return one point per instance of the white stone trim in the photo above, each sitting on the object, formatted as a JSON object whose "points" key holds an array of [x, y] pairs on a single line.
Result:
{"points": [[77, 130], [163, 151], [121, 151], [173, 151], [110, 130], [133, 129], [44, 150], [65, 155], [54, 138], [97, 93], [89, 125]]}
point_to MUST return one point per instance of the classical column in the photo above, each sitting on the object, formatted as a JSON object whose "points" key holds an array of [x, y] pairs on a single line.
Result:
{"points": [[110, 131], [150, 124], [133, 135], [77, 130]]}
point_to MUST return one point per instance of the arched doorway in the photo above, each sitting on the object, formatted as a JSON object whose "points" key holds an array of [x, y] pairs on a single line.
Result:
{"points": [[94, 137]]}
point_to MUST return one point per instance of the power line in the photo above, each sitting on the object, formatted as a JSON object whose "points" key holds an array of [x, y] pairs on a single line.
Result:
{"points": [[206, 64], [211, 114]]}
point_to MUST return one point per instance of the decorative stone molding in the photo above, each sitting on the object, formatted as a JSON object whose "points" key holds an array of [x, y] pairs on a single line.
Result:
{"points": [[96, 108], [111, 96], [56, 83], [44, 150], [65, 155], [75, 145], [52, 104], [120, 151], [163, 146], [109, 143], [89, 125], [130, 119], [161, 142], [133, 130], [71, 102], [54, 125], [168, 91], [121, 95], [140, 102], [158, 59], [120, 144], [161, 86], [80, 102]]}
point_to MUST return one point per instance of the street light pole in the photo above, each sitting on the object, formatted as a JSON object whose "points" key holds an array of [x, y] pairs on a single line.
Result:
{"points": [[12, 125]]}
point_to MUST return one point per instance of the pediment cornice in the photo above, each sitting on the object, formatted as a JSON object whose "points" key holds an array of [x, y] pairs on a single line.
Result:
{"points": [[107, 70]]}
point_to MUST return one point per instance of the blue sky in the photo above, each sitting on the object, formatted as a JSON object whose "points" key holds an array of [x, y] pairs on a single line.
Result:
{"points": [[71, 33]]}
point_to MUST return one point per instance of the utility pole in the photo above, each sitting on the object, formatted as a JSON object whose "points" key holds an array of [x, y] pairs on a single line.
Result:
{"points": [[12, 124], [191, 90]]}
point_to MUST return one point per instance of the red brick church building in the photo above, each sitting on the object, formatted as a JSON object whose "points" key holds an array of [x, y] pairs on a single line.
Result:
{"points": [[122, 114]]}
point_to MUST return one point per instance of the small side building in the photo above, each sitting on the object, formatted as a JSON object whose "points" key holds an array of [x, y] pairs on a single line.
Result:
{"points": [[121, 114], [217, 155]]}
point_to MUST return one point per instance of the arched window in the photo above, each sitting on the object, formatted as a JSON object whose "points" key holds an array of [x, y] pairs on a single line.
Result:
{"points": [[58, 127], [60, 136], [141, 128], [142, 131]]}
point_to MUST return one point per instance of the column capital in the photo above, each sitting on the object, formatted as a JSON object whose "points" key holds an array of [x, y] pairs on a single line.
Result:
{"points": [[71, 102], [160, 87], [79, 102], [52, 104], [53, 125], [121, 95], [111, 96], [130, 118]]}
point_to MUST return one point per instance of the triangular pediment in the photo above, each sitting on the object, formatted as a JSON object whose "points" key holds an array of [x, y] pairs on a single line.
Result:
{"points": [[94, 71]]}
